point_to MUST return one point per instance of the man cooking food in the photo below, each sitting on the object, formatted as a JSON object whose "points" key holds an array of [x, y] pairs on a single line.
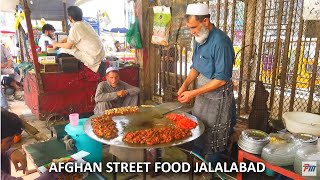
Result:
{"points": [[83, 42], [212, 62]]}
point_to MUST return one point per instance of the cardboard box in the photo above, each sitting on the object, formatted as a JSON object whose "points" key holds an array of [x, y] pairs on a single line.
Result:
{"points": [[47, 59]]}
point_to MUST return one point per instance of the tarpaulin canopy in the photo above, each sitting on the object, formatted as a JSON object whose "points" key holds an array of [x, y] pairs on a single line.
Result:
{"points": [[48, 9]]}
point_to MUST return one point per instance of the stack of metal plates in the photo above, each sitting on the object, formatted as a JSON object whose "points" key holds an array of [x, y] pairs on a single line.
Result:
{"points": [[252, 141]]}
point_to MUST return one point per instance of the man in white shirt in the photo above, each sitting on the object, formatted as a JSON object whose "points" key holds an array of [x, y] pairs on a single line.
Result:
{"points": [[47, 37], [83, 42]]}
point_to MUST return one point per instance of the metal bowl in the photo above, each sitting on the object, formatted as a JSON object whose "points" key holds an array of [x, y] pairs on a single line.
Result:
{"points": [[305, 138], [255, 135]]}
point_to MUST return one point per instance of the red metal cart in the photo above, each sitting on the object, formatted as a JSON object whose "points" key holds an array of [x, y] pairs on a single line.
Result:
{"points": [[65, 93], [52, 96]]}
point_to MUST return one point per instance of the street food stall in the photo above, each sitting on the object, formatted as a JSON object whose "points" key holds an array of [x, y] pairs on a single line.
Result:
{"points": [[49, 91], [55, 89]]}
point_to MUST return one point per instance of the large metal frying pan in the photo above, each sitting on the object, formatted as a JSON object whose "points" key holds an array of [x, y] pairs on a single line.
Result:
{"points": [[146, 118]]}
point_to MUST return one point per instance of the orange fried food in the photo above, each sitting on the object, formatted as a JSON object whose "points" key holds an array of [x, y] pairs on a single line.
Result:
{"points": [[122, 111], [104, 127]]}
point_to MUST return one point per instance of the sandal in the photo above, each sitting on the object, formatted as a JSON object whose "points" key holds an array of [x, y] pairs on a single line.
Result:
{"points": [[10, 98]]}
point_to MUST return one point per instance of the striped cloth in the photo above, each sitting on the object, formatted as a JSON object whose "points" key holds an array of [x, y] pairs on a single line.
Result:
{"points": [[214, 110]]}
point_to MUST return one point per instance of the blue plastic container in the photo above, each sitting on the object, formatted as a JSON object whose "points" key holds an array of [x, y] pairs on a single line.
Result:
{"points": [[84, 142], [269, 172]]}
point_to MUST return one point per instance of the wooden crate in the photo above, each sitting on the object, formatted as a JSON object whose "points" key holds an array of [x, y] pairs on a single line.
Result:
{"points": [[69, 64]]}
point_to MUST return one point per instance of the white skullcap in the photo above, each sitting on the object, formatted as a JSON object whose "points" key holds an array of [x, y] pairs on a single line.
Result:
{"points": [[109, 69], [197, 9]]}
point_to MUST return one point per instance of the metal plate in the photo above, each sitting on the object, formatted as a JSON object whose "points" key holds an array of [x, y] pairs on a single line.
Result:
{"points": [[305, 138], [142, 120], [254, 135]]}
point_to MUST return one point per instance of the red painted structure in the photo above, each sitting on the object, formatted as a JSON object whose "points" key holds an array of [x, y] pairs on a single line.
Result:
{"points": [[245, 155], [62, 93], [65, 93]]}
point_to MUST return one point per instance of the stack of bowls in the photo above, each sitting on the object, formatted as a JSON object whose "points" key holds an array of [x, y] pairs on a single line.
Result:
{"points": [[253, 141]]}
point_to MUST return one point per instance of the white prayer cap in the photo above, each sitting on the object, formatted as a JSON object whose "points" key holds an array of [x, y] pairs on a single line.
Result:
{"points": [[197, 9], [109, 69]]}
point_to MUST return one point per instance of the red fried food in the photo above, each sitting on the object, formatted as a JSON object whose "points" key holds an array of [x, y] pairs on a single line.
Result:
{"points": [[70, 176], [181, 121], [156, 135]]}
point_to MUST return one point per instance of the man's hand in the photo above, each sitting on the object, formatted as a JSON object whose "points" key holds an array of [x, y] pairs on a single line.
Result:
{"points": [[18, 157], [122, 93], [55, 45], [182, 89], [186, 96]]}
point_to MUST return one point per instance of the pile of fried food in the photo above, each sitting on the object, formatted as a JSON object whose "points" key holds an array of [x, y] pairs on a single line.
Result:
{"points": [[121, 111], [70, 176], [65, 175], [104, 127], [181, 121], [156, 135]]}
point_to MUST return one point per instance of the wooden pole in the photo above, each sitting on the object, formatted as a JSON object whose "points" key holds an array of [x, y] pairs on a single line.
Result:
{"points": [[36, 63]]}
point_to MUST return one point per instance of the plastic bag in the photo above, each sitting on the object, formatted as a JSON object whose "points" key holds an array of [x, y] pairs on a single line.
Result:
{"points": [[161, 26], [276, 138], [280, 154], [133, 35], [308, 153]]}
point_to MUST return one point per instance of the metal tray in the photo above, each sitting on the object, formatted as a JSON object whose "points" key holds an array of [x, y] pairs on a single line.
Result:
{"points": [[143, 120]]}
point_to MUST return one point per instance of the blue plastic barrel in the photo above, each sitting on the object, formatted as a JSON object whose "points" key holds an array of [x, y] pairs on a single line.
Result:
{"points": [[84, 142]]}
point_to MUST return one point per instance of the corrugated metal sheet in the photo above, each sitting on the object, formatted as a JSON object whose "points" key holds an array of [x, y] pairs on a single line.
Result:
{"points": [[48, 9]]}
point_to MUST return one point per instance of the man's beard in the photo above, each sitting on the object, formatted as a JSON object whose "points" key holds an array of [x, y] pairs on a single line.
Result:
{"points": [[52, 36], [202, 36]]}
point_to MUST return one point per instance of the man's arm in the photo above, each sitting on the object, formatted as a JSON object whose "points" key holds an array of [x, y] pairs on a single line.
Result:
{"points": [[64, 40], [7, 54], [186, 96], [132, 90], [212, 85], [19, 160], [193, 74], [103, 96], [5, 175], [66, 45], [223, 65]]}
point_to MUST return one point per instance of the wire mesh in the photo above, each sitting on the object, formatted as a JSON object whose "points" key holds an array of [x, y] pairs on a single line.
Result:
{"points": [[279, 48]]}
